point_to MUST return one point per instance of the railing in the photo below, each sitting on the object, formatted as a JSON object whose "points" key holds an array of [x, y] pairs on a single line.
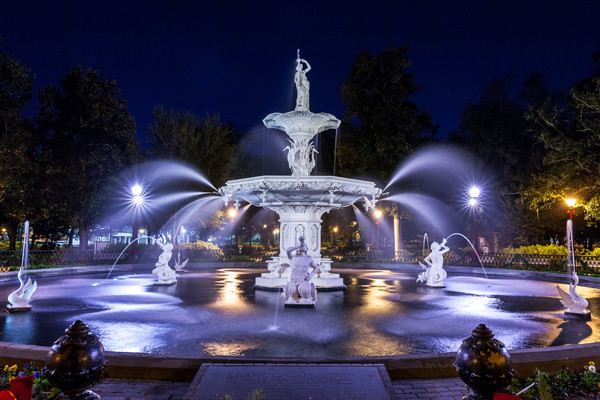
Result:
{"points": [[69, 257]]}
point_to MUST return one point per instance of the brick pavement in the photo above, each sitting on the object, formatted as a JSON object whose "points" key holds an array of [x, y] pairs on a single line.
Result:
{"points": [[125, 389]]}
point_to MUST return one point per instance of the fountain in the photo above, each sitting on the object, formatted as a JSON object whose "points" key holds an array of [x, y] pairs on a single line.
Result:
{"points": [[19, 299], [300, 200], [574, 303]]}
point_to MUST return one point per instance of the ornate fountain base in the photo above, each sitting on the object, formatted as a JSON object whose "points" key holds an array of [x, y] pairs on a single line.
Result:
{"points": [[279, 274]]}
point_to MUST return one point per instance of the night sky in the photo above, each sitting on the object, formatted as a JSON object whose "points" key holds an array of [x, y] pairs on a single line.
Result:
{"points": [[237, 57]]}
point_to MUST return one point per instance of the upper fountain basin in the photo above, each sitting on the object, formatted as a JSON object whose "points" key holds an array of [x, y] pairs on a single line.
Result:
{"points": [[298, 121], [327, 191]]}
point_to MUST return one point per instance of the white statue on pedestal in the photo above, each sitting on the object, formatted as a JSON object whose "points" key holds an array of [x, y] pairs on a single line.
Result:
{"points": [[573, 301], [434, 274], [300, 291], [166, 276], [19, 299], [302, 83]]}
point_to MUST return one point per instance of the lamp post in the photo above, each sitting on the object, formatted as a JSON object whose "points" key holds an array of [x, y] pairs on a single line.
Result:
{"points": [[571, 203], [137, 202], [474, 193]]}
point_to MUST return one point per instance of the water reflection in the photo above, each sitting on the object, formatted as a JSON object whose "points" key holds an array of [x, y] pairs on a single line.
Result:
{"points": [[215, 311]]}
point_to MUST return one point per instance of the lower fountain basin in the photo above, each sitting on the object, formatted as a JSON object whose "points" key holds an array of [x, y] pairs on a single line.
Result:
{"points": [[214, 311]]}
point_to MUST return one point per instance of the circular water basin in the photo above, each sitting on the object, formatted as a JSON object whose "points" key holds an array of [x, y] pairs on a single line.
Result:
{"points": [[214, 311]]}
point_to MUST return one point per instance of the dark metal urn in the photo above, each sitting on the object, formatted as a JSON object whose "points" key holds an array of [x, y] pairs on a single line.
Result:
{"points": [[75, 361], [484, 364]]}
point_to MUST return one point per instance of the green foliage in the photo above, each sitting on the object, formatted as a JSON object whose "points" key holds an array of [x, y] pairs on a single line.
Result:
{"points": [[568, 128], [580, 384], [550, 249], [380, 126], [203, 250], [257, 394]]}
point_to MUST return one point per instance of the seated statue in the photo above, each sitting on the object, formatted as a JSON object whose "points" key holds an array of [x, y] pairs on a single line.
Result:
{"points": [[434, 274], [300, 289], [166, 276]]}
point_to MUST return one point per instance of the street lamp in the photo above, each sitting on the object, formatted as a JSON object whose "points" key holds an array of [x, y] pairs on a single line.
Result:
{"points": [[137, 198], [474, 193], [571, 206]]}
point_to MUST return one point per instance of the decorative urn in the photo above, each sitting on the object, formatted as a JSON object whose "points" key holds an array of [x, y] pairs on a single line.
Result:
{"points": [[75, 361], [484, 364]]}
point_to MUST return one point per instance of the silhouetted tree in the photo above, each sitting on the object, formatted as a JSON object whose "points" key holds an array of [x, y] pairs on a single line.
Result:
{"points": [[89, 138], [17, 146], [380, 125], [569, 130]]}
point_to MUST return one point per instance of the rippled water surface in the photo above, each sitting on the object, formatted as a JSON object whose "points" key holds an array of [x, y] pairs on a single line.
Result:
{"points": [[216, 312]]}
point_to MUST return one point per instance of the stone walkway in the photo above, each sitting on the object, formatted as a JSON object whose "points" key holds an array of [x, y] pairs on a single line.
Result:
{"points": [[123, 389]]}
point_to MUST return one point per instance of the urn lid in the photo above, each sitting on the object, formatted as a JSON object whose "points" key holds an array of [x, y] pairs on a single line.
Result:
{"points": [[77, 328], [482, 332]]}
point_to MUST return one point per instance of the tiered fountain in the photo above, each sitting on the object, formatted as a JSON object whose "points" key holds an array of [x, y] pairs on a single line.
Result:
{"points": [[300, 200]]}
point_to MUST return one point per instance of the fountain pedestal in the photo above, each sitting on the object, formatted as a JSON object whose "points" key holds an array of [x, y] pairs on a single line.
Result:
{"points": [[300, 200]]}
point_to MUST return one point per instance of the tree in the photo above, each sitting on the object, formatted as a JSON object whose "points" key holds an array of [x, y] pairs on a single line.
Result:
{"points": [[380, 125], [206, 144], [17, 145], [569, 130], [497, 131], [89, 138]]}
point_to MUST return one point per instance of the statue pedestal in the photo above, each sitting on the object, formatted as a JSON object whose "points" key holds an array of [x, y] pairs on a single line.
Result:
{"points": [[279, 273], [17, 309]]}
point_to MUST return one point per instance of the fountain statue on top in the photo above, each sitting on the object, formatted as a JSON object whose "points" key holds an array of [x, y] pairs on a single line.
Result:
{"points": [[300, 200], [434, 274], [300, 291], [19, 299], [164, 273]]}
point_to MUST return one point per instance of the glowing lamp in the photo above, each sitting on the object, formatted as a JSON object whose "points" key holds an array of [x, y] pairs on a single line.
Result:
{"points": [[232, 212], [571, 202], [138, 200], [474, 192], [378, 213], [472, 201], [136, 190]]}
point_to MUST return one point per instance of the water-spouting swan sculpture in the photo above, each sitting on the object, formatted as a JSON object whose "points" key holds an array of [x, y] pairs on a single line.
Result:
{"points": [[573, 301], [19, 299]]}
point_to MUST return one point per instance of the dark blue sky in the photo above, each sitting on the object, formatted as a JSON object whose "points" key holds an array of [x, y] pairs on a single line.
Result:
{"points": [[237, 57]]}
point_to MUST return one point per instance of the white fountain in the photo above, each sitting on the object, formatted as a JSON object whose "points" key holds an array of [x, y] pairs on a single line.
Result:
{"points": [[19, 299], [300, 200]]}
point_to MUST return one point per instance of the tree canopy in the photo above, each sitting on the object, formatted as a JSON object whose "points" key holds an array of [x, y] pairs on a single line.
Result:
{"points": [[17, 145], [380, 125], [88, 138], [569, 130]]}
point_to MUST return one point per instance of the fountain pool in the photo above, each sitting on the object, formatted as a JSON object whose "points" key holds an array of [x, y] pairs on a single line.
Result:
{"points": [[213, 310]]}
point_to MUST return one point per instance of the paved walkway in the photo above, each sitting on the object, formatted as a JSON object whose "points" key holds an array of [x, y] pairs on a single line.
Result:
{"points": [[123, 389]]}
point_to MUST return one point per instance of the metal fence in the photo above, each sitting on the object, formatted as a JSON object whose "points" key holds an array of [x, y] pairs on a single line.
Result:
{"points": [[69, 257]]}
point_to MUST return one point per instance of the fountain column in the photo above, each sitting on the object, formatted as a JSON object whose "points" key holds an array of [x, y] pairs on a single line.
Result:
{"points": [[301, 199]]}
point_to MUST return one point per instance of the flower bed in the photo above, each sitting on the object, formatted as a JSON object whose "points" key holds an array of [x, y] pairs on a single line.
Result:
{"points": [[582, 384], [41, 388]]}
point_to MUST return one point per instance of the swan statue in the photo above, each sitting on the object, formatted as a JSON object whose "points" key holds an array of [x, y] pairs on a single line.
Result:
{"points": [[20, 298], [573, 301]]}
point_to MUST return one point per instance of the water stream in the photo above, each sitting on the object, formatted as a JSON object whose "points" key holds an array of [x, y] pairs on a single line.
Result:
{"points": [[475, 250]]}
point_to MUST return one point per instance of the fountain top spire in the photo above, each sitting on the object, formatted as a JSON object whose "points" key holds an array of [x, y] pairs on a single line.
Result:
{"points": [[301, 125]]}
